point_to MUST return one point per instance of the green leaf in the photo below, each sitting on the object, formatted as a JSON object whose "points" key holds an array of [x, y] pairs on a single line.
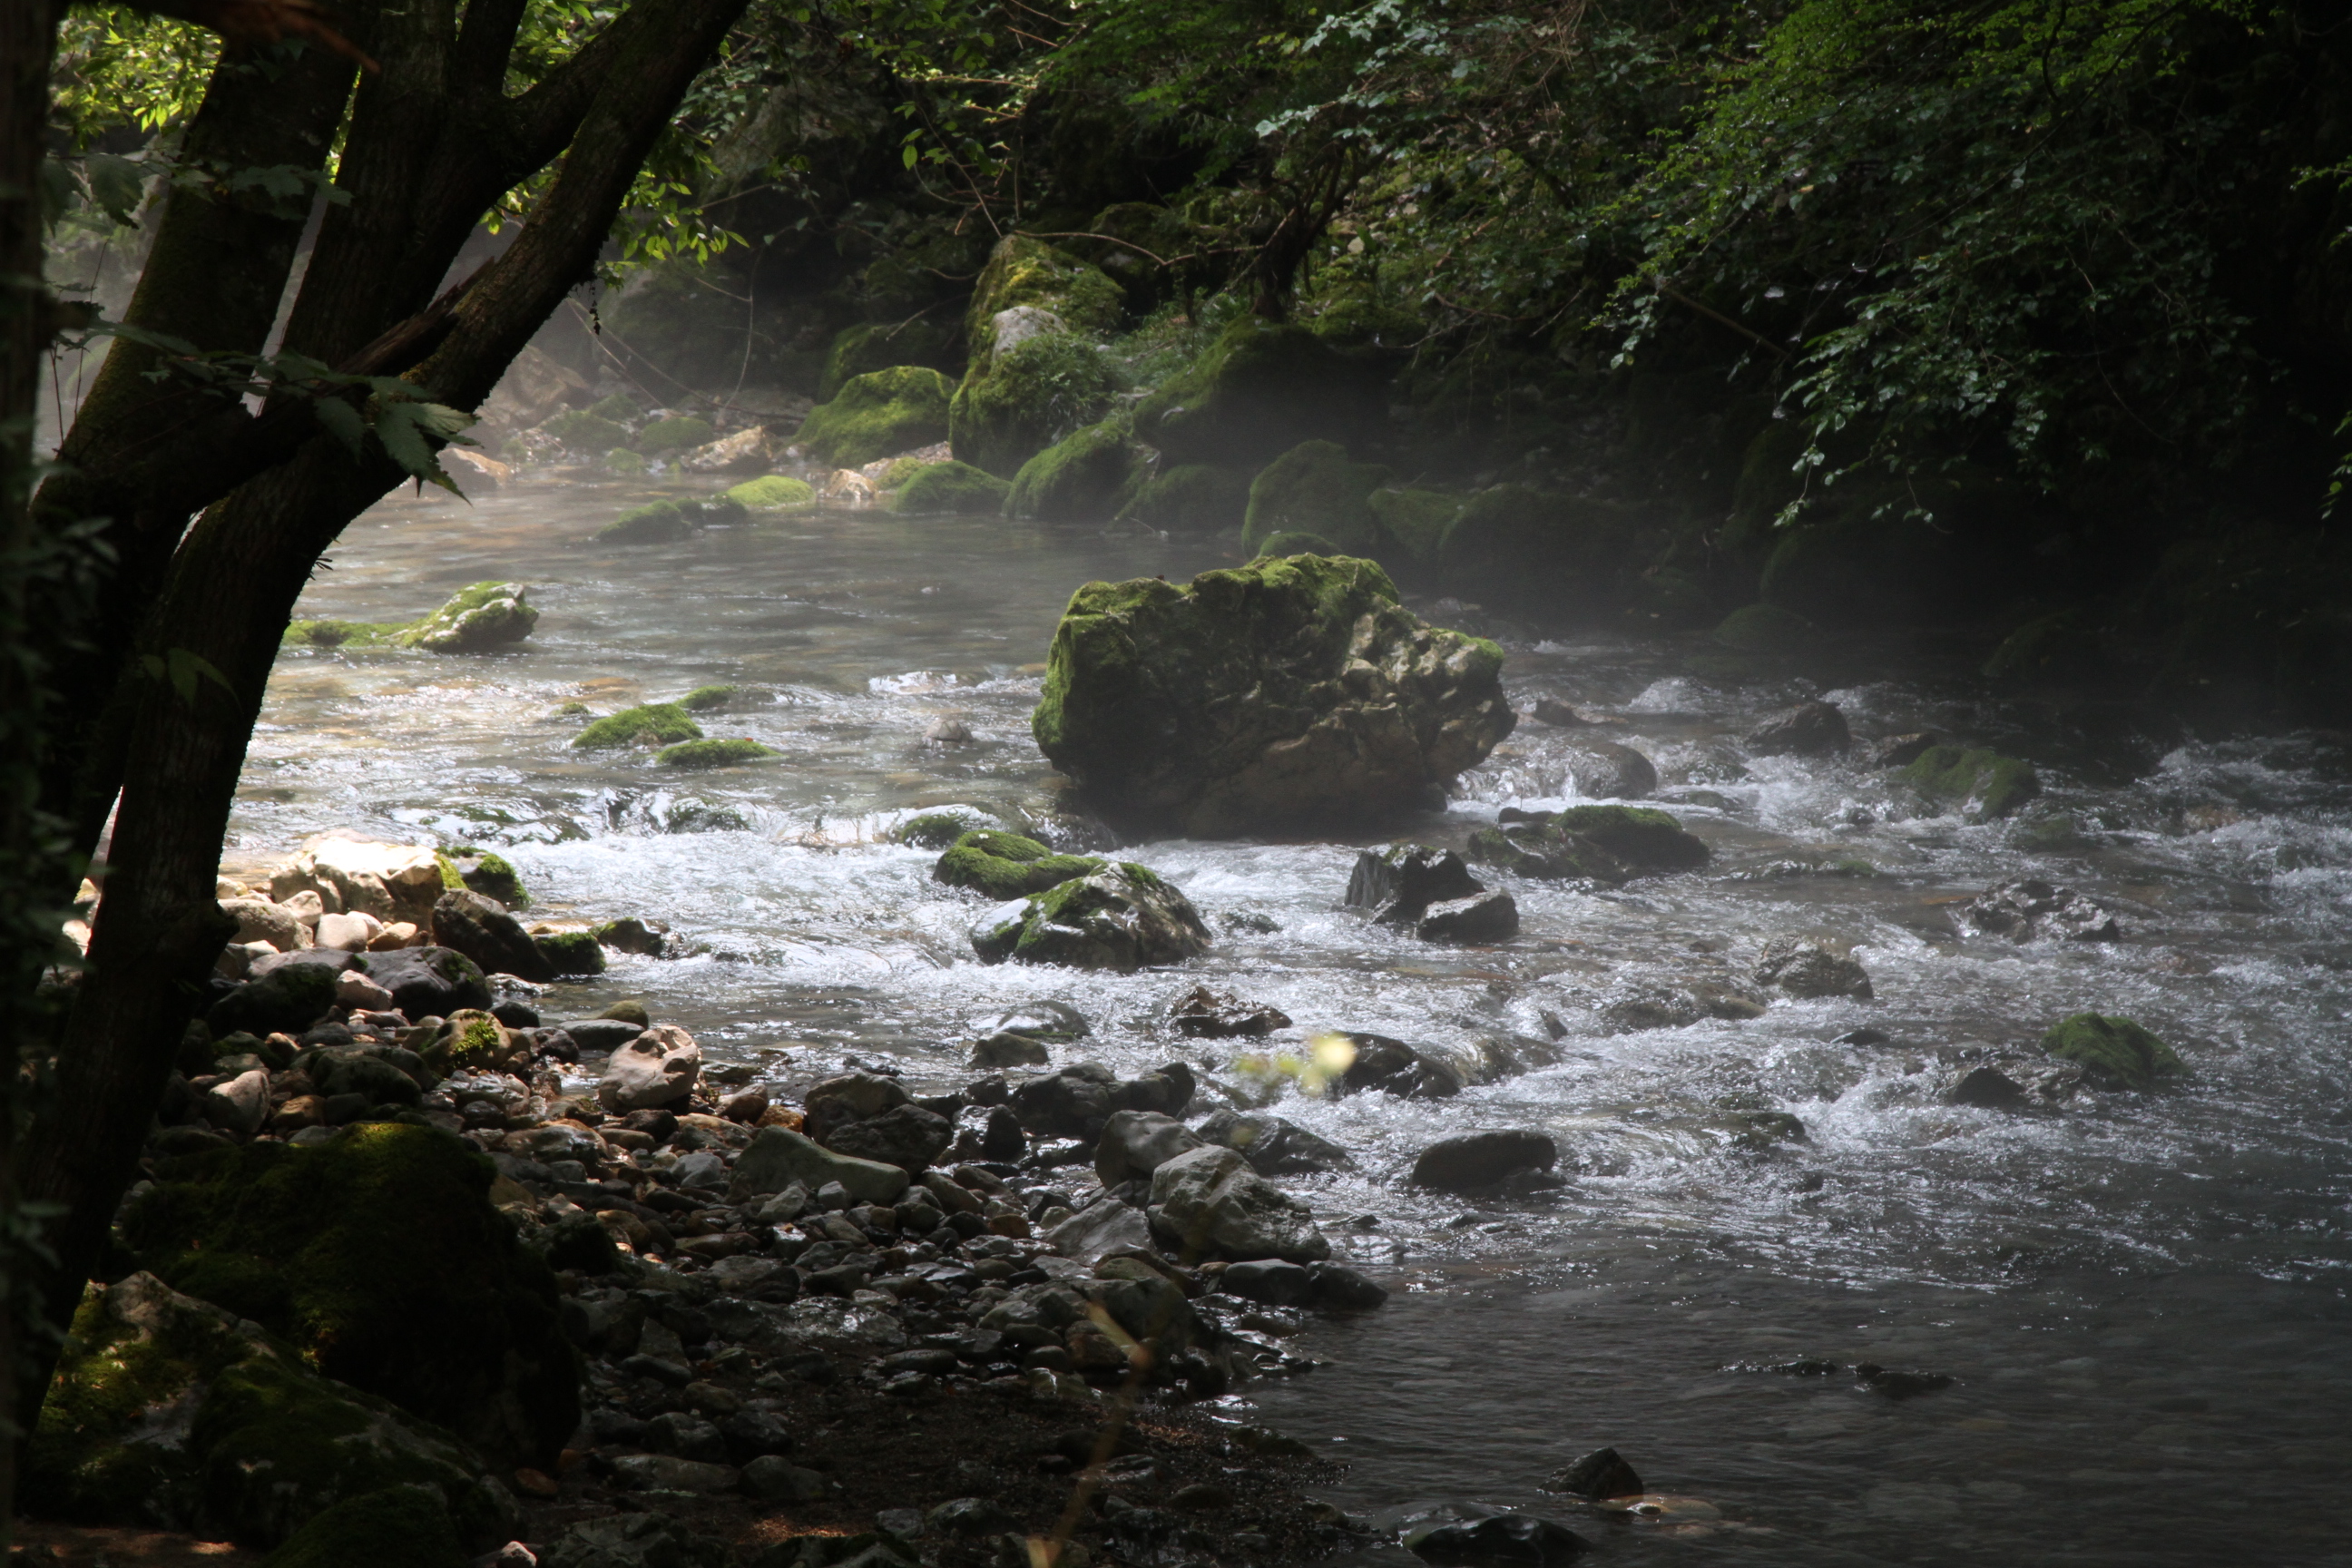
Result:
{"points": [[343, 423]]}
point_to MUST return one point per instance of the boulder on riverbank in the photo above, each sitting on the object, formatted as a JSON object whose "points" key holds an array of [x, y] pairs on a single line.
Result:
{"points": [[1208, 1202], [1287, 690], [1122, 918], [877, 414]]}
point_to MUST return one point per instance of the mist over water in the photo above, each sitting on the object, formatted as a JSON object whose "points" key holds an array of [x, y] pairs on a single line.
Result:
{"points": [[2143, 1298]]}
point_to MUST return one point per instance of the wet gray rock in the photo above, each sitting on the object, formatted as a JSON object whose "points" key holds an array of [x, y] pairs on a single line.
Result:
{"points": [[1396, 885], [657, 1069], [464, 921], [1482, 1159], [603, 1035], [1268, 1280], [1677, 1006], [1391, 1067], [1072, 1103], [1123, 917], [1104, 1226], [1808, 730], [964, 1518], [287, 993], [666, 1473], [1206, 1014], [1134, 1143], [2031, 909], [906, 1136], [1496, 1540], [773, 1478], [1807, 968], [1339, 1288], [1899, 750], [1273, 1146], [1987, 1088], [1600, 1475], [1209, 1202], [1604, 770], [777, 1157], [430, 981], [1900, 1384], [1481, 918], [1006, 1049]]}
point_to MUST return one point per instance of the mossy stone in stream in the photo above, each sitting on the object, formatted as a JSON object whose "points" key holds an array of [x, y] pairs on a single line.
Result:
{"points": [[1007, 865], [1606, 842], [483, 615], [1192, 498], [771, 493], [399, 1527], [622, 463], [936, 830], [877, 414], [493, 877], [871, 346], [674, 434], [342, 634], [952, 488], [2114, 1053], [571, 952], [652, 723], [1290, 541], [1416, 520], [584, 430], [1984, 784], [1121, 918], [1014, 404], [654, 523], [702, 754], [702, 699], [1258, 391], [1025, 271], [376, 1254], [1085, 477], [1315, 489]]}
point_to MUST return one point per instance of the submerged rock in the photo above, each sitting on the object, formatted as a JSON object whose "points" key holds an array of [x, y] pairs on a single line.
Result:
{"points": [[1987, 1088], [1391, 1067], [1206, 1014], [1480, 917], [1808, 730], [1600, 1475], [1007, 865], [1287, 690], [2030, 908], [1121, 918], [1482, 1159], [1501, 1539], [2114, 1053], [1984, 785], [1396, 885], [1208, 1202], [1605, 843], [1807, 969], [1273, 1146]]}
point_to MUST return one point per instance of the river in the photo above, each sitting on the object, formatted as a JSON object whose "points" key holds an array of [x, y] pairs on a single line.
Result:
{"points": [[2141, 1298]]}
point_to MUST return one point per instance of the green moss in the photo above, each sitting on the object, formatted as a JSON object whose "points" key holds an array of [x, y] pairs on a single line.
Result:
{"points": [[675, 434], [952, 487], [618, 407], [629, 1010], [1635, 834], [1085, 477], [1416, 520], [399, 1527], [1984, 784], [1024, 271], [622, 463], [714, 510], [342, 634], [1192, 498], [1007, 865], [1766, 629], [878, 413], [651, 523], [481, 615], [452, 878], [2114, 1053], [572, 952], [772, 492], [1362, 321], [1259, 390], [871, 346], [78, 1466], [901, 469], [1012, 405], [702, 699], [700, 754], [654, 723], [1315, 489], [1292, 542], [932, 830], [379, 1255], [476, 1041], [583, 431]]}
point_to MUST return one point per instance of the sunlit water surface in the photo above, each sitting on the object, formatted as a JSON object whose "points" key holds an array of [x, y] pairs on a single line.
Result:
{"points": [[2142, 1299]]}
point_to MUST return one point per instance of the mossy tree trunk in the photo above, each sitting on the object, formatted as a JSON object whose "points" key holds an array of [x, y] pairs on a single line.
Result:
{"points": [[433, 140]]}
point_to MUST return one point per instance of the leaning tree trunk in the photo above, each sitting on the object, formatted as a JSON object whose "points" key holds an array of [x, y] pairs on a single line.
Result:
{"points": [[232, 585]]}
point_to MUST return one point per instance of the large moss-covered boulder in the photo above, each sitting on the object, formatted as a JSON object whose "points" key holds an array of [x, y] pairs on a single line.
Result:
{"points": [[1029, 274], [1007, 865], [771, 493], [1415, 521], [1192, 498], [1606, 842], [1020, 400], [378, 1255], [1288, 692], [1122, 918], [485, 615], [1984, 785], [648, 724], [876, 414], [172, 1413], [1258, 391], [952, 487], [871, 346], [1315, 489], [1085, 477], [2114, 1053]]}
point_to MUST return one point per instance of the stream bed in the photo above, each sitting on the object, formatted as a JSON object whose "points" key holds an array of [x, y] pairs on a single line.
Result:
{"points": [[2141, 1298]]}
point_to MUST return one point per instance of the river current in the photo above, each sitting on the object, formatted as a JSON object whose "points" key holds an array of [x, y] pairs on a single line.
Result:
{"points": [[2141, 1298]]}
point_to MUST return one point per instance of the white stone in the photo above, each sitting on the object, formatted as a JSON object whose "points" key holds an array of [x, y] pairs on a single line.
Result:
{"points": [[257, 920], [1022, 323], [357, 992], [241, 1105], [390, 881], [658, 1068], [348, 933]]}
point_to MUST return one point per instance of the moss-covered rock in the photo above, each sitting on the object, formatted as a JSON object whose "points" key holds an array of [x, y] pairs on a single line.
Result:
{"points": [[293, 996], [935, 829], [2114, 1053], [771, 493], [706, 699], [877, 414], [1416, 521], [1007, 865], [1984, 785], [399, 1527], [651, 725], [1122, 918], [586, 432], [624, 464], [702, 754], [344, 633], [1766, 629], [1015, 403], [1519, 544], [1192, 498], [655, 522], [377, 1254], [1287, 690], [870, 346], [1258, 391], [171, 1412], [1024, 272], [952, 488], [570, 952], [1085, 477], [484, 615], [1606, 842], [492, 876], [675, 433], [1315, 489]]}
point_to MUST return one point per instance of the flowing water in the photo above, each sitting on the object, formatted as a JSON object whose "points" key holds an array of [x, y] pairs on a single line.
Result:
{"points": [[2141, 1298]]}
